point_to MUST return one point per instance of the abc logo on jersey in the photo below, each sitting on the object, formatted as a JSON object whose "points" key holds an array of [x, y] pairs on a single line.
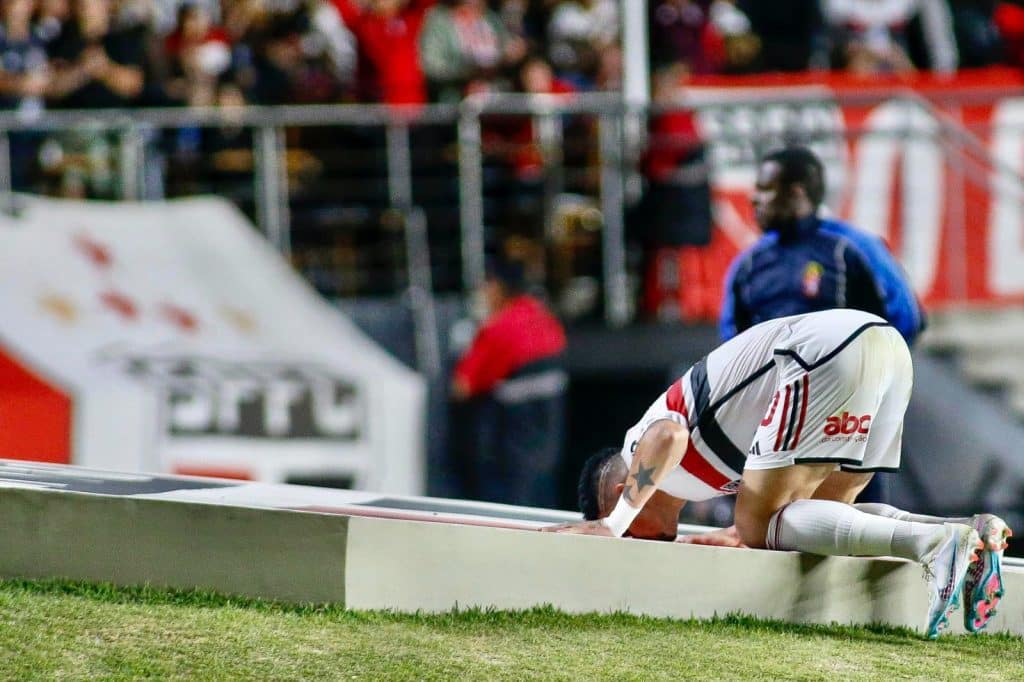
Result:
{"points": [[847, 424]]}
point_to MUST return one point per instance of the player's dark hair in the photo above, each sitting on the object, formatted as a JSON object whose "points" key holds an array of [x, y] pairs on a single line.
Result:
{"points": [[799, 165], [590, 482]]}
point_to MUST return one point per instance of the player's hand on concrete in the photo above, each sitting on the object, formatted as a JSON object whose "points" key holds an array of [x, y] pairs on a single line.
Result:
{"points": [[726, 537], [596, 527]]}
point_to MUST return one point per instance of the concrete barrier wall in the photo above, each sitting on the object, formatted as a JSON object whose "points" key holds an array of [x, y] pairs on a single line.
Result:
{"points": [[266, 553], [408, 565], [433, 567]]}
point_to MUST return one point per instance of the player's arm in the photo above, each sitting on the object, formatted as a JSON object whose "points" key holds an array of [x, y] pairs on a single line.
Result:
{"points": [[659, 451], [485, 363]]}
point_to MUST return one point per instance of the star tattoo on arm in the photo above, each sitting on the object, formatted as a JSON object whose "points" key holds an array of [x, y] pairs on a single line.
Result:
{"points": [[644, 477]]}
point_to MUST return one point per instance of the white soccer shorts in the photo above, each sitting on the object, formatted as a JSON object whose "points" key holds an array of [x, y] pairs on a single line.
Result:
{"points": [[847, 409]]}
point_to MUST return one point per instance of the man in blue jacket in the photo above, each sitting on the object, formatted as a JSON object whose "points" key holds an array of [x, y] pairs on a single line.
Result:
{"points": [[805, 263]]}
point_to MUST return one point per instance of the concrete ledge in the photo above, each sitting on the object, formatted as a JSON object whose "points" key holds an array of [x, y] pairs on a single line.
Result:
{"points": [[366, 553], [432, 567], [128, 541]]}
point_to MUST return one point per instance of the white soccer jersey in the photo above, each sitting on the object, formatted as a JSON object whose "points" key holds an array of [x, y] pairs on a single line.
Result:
{"points": [[829, 386]]}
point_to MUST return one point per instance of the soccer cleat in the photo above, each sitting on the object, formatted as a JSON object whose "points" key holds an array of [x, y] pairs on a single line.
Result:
{"points": [[983, 585], [945, 567], [993, 531]]}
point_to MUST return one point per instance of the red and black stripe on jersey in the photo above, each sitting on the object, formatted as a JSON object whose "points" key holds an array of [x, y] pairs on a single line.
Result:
{"points": [[703, 416], [693, 461]]}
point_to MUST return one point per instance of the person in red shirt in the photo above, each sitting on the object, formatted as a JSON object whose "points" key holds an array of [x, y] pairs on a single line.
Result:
{"points": [[535, 77], [512, 373], [388, 35], [676, 169], [674, 219]]}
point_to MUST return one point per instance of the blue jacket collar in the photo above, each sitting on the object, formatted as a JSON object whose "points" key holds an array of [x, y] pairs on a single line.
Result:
{"points": [[798, 230]]}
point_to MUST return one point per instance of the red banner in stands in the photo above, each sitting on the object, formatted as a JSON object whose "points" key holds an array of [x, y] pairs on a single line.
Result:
{"points": [[932, 165]]}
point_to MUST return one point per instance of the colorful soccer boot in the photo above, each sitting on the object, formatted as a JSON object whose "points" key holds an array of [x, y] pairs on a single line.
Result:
{"points": [[945, 567], [983, 586]]}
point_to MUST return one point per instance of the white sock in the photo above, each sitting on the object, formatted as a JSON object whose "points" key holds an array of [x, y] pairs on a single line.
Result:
{"points": [[837, 529], [891, 512]]}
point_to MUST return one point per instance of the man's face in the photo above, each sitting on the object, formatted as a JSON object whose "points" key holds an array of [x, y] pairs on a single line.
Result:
{"points": [[195, 23], [94, 15], [18, 10], [386, 7], [649, 526], [537, 77], [773, 203]]}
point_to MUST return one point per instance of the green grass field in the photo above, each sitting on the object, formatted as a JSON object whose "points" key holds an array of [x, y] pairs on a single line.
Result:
{"points": [[71, 630]]}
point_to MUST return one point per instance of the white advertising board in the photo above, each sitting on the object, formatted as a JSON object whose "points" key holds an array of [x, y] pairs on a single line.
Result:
{"points": [[170, 336]]}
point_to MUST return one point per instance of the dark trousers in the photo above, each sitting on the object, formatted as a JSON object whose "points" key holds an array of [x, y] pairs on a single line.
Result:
{"points": [[515, 451]]}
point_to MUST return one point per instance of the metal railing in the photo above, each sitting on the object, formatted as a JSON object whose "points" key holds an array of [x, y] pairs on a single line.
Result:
{"points": [[615, 133], [134, 129]]}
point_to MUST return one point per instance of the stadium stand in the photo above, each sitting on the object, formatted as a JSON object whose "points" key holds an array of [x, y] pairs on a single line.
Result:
{"points": [[229, 53]]}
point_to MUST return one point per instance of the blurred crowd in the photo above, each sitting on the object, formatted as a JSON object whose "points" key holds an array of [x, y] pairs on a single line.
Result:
{"points": [[90, 54], [108, 53], [861, 36], [113, 53]]}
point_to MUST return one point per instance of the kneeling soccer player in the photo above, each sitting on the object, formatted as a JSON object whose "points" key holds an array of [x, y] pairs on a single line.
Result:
{"points": [[817, 403]]}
